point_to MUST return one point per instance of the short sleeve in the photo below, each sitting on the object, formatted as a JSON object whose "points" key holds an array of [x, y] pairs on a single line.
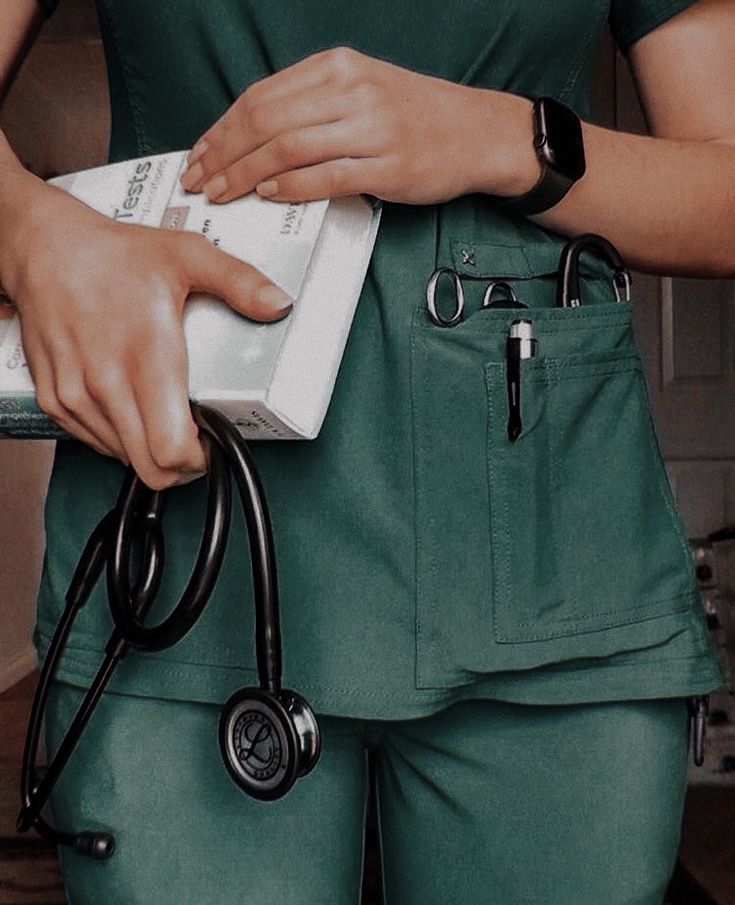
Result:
{"points": [[48, 6], [632, 19]]}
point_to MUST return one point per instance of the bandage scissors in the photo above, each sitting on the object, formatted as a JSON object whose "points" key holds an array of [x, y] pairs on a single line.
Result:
{"points": [[509, 300]]}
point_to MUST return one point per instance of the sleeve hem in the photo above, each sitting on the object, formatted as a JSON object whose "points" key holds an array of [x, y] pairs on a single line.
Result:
{"points": [[48, 6], [626, 37]]}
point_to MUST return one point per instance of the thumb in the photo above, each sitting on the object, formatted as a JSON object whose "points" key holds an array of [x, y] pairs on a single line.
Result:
{"points": [[244, 288]]}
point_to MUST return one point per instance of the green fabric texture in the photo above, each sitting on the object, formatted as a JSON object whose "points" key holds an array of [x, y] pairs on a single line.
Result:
{"points": [[485, 802], [422, 557], [631, 20]]}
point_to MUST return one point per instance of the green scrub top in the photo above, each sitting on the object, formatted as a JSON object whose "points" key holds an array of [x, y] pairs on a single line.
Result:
{"points": [[423, 558]]}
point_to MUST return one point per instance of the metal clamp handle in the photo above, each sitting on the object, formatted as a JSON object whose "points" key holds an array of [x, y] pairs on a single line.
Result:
{"points": [[568, 292], [510, 301]]}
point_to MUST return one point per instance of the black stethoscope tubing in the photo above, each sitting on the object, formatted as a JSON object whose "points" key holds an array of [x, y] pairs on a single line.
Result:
{"points": [[137, 515]]}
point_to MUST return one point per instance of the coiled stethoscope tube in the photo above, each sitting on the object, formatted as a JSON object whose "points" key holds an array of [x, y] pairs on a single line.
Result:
{"points": [[268, 735]]}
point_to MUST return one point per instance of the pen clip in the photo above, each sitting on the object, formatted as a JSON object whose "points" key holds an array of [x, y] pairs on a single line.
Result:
{"points": [[520, 345]]}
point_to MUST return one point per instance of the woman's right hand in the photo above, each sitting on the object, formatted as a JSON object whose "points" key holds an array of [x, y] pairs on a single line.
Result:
{"points": [[101, 311]]}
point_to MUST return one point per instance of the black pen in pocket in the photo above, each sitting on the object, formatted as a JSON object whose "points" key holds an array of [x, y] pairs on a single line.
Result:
{"points": [[520, 345]]}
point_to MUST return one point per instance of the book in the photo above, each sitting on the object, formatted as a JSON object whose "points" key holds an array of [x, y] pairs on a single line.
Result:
{"points": [[273, 380]]}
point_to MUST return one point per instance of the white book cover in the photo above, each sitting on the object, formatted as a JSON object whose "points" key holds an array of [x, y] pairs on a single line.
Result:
{"points": [[273, 380]]}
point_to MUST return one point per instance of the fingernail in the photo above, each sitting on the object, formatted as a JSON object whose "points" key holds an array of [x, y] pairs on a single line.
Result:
{"points": [[276, 299], [199, 149], [191, 176], [267, 188], [215, 187]]}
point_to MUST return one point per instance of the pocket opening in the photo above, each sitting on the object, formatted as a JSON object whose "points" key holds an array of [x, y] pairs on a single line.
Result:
{"points": [[502, 581]]}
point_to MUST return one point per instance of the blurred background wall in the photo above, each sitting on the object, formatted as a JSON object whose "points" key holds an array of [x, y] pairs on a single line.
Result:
{"points": [[57, 119]]}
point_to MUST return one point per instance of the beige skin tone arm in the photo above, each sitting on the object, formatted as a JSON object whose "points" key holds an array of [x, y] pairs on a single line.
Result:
{"points": [[340, 122], [101, 307], [336, 123], [668, 201]]}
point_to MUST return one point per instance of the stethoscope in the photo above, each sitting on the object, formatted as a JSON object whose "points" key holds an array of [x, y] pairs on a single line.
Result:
{"points": [[268, 736]]}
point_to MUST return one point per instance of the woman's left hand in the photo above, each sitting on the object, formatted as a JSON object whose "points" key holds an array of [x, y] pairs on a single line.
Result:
{"points": [[339, 122]]}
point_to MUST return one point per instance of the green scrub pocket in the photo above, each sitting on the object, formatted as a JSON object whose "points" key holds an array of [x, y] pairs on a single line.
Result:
{"points": [[564, 543]]}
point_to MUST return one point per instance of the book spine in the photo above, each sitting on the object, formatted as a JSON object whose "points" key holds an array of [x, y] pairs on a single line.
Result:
{"points": [[22, 419]]}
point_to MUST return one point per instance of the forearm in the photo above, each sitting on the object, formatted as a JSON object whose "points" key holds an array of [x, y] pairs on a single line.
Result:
{"points": [[669, 206], [17, 189], [667, 202]]}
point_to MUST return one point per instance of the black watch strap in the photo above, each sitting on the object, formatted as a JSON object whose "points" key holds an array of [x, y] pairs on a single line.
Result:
{"points": [[557, 140], [547, 192]]}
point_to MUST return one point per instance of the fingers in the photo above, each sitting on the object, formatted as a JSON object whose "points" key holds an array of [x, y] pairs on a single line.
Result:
{"points": [[288, 151], [139, 413], [244, 288], [72, 407], [252, 126], [325, 180], [107, 349], [323, 89], [339, 66], [158, 424]]}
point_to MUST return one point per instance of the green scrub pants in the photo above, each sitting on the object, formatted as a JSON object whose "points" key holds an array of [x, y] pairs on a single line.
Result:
{"points": [[483, 802]]}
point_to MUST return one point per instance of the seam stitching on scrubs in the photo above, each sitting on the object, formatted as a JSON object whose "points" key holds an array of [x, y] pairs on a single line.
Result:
{"points": [[555, 320], [592, 38], [664, 488], [442, 694], [532, 271], [416, 497], [135, 109], [429, 601], [628, 35], [628, 363], [497, 550], [626, 617]]}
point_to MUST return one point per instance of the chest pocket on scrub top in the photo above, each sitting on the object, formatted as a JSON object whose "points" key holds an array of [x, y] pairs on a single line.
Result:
{"points": [[565, 542]]}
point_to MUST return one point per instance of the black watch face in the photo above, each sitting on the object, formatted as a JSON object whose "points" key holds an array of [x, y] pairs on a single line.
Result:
{"points": [[562, 149]]}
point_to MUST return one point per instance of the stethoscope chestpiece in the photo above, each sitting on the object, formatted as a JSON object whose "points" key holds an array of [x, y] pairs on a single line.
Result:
{"points": [[268, 741], [568, 291]]}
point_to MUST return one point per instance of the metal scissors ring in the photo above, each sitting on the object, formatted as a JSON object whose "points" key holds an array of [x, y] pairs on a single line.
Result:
{"points": [[510, 299], [438, 319]]}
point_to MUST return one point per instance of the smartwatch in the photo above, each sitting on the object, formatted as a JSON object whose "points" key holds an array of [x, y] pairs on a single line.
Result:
{"points": [[557, 140]]}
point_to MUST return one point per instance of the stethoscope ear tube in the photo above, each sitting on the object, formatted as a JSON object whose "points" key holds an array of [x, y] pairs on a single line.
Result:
{"points": [[568, 290]]}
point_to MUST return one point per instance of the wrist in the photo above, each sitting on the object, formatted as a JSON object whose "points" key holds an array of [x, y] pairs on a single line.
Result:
{"points": [[503, 160], [20, 193]]}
